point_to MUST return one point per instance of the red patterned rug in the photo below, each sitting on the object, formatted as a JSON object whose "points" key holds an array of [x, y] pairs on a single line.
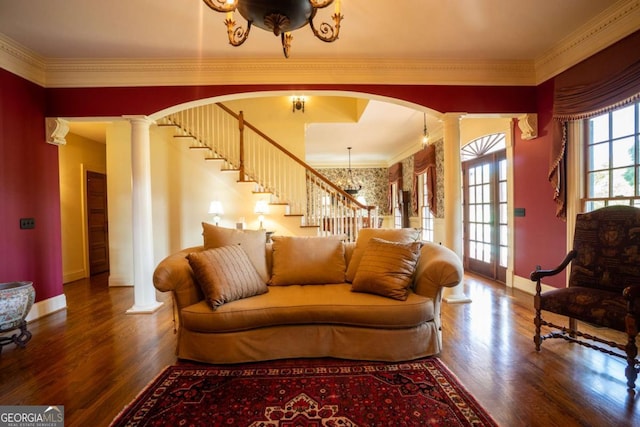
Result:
{"points": [[306, 393]]}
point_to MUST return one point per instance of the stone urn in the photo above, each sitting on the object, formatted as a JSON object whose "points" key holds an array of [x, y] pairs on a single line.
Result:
{"points": [[16, 299]]}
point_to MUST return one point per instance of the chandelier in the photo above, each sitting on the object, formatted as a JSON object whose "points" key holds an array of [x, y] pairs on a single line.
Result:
{"points": [[352, 186], [278, 16], [425, 133]]}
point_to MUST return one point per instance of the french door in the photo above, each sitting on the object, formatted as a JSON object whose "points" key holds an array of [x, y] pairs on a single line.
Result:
{"points": [[485, 215]]}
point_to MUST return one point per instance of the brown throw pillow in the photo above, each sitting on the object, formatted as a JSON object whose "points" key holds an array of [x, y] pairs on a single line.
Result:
{"points": [[401, 235], [307, 260], [225, 274], [387, 268], [252, 241]]}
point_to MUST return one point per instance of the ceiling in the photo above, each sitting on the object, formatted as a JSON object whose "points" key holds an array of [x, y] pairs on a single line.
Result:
{"points": [[519, 33]]}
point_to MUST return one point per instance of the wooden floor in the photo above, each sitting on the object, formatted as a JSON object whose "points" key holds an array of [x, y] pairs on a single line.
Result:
{"points": [[94, 359]]}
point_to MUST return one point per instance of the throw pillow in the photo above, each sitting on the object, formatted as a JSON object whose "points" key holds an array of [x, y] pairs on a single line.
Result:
{"points": [[307, 260], [225, 274], [387, 268], [401, 235], [252, 241]]}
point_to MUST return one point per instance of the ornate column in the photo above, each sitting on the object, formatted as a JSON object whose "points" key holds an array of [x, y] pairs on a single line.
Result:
{"points": [[453, 198], [144, 292]]}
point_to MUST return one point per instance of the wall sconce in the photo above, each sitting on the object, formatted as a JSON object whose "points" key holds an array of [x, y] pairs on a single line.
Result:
{"points": [[215, 209], [297, 103], [262, 208]]}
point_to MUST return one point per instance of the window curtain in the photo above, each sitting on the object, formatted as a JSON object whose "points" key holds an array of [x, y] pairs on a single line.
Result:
{"points": [[606, 81], [424, 161], [395, 177]]}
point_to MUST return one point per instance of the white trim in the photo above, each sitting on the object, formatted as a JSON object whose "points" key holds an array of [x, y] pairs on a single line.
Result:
{"points": [[511, 245], [48, 306], [526, 285]]}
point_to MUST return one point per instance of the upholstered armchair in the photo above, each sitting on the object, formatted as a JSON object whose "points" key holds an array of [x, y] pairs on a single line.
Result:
{"points": [[604, 285]]}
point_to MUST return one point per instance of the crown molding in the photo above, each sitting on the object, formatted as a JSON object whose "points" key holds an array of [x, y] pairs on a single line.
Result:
{"points": [[172, 72], [619, 21], [21, 61]]}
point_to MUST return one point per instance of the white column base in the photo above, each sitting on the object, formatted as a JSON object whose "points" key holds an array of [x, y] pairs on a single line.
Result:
{"points": [[456, 295], [146, 309], [457, 299]]}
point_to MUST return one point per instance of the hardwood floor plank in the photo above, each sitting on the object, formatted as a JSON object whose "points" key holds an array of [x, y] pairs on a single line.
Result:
{"points": [[94, 359]]}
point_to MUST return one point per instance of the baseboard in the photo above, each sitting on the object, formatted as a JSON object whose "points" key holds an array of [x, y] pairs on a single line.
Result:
{"points": [[526, 285], [48, 306], [72, 277], [119, 281]]}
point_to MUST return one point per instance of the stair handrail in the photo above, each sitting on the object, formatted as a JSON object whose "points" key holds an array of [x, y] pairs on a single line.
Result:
{"points": [[305, 165]]}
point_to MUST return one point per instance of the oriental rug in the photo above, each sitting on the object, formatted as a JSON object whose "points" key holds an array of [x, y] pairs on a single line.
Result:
{"points": [[306, 393]]}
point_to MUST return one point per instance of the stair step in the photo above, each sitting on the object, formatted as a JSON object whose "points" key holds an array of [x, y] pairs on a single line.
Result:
{"points": [[198, 147]]}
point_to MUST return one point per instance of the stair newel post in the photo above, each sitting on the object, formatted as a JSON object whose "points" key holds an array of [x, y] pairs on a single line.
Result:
{"points": [[241, 129]]}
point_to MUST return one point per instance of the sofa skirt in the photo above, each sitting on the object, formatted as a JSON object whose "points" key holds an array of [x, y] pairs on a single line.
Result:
{"points": [[311, 340]]}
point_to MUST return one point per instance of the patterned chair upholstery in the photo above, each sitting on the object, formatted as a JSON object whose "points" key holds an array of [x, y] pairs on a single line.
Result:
{"points": [[604, 285]]}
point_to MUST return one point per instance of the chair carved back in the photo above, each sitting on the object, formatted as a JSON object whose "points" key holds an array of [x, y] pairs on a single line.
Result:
{"points": [[607, 242]]}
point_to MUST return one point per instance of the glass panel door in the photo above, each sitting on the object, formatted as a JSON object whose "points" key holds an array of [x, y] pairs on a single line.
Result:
{"points": [[485, 215]]}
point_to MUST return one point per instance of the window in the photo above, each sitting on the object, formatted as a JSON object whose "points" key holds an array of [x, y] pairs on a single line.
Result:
{"points": [[426, 217], [612, 164]]}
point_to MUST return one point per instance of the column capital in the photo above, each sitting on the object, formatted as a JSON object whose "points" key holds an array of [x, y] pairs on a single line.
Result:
{"points": [[139, 119], [449, 117]]}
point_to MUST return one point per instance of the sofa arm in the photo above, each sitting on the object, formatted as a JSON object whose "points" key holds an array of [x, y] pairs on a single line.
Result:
{"points": [[437, 267], [174, 274]]}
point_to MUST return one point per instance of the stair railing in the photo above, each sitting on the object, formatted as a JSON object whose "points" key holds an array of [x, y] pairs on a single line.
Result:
{"points": [[227, 136]]}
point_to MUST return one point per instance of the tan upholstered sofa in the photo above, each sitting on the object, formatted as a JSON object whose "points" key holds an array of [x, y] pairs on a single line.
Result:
{"points": [[376, 299]]}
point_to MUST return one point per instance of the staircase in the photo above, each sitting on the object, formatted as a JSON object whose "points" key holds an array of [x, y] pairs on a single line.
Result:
{"points": [[226, 136]]}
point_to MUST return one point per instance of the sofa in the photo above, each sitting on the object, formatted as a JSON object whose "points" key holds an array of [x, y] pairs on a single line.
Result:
{"points": [[238, 298]]}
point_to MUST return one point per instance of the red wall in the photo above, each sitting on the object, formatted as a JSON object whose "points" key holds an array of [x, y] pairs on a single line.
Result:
{"points": [[79, 102], [29, 175], [540, 237], [28, 188]]}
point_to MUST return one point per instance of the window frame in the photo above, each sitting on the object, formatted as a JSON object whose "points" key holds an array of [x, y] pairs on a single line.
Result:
{"points": [[588, 203]]}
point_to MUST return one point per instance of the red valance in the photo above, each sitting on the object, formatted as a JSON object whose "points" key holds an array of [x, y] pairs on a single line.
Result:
{"points": [[601, 83]]}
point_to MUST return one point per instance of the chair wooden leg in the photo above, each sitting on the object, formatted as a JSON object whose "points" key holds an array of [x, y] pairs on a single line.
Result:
{"points": [[536, 338], [631, 350], [630, 371], [573, 326]]}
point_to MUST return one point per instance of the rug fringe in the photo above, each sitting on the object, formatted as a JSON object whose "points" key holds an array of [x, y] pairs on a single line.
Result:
{"points": [[139, 395]]}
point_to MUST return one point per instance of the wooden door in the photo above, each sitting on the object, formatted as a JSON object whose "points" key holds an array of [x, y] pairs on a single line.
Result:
{"points": [[97, 223]]}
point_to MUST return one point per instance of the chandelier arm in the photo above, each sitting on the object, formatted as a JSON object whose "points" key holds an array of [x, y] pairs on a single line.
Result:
{"points": [[221, 5], [237, 35], [286, 46], [320, 4], [326, 32]]}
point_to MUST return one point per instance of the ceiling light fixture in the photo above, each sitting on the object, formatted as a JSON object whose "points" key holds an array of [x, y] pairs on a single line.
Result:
{"points": [[297, 103], [425, 133], [278, 16], [351, 186]]}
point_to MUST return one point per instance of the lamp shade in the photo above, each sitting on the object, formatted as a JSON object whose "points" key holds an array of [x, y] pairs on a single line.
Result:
{"points": [[262, 207], [215, 208]]}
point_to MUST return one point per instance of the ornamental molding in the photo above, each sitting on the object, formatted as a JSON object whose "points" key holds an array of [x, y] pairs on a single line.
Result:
{"points": [[56, 130], [75, 73], [619, 21]]}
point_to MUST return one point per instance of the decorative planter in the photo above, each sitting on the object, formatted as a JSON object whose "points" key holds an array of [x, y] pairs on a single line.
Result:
{"points": [[16, 299]]}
